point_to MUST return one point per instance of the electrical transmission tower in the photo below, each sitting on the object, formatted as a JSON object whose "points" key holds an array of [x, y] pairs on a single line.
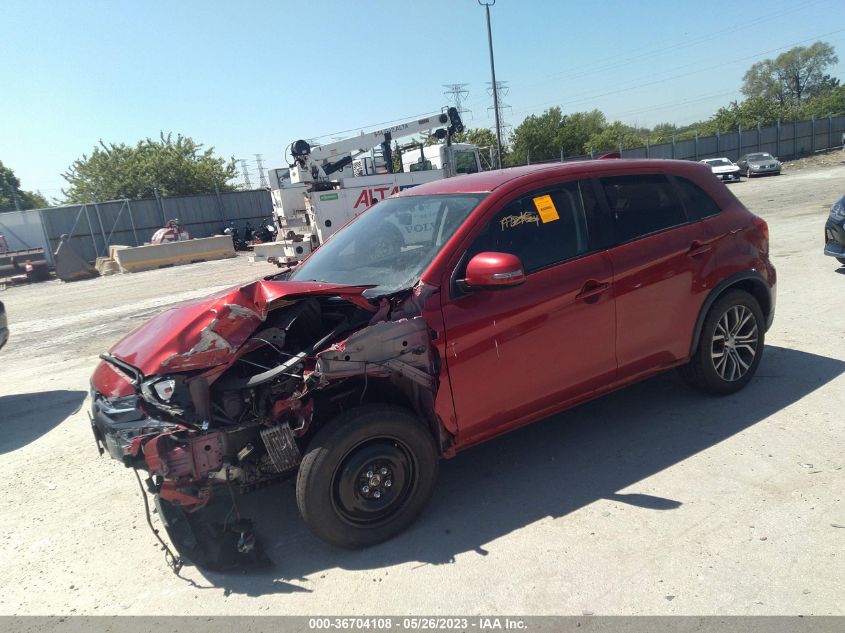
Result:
{"points": [[457, 94], [245, 172], [261, 179], [502, 89]]}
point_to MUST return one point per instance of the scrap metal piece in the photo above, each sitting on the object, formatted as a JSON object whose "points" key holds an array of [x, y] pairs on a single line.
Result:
{"points": [[69, 265]]}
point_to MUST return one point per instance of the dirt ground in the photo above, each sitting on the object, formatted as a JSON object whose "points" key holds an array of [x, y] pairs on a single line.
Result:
{"points": [[654, 500]]}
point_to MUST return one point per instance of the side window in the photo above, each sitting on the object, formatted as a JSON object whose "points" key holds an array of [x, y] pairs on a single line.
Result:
{"points": [[542, 228], [642, 205], [696, 201], [465, 163]]}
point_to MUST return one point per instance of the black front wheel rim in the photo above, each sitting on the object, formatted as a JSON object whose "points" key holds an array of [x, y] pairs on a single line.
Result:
{"points": [[374, 481]]}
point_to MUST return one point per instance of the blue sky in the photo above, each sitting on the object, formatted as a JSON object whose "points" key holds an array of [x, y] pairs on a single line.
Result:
{"points": [[250, 77]]}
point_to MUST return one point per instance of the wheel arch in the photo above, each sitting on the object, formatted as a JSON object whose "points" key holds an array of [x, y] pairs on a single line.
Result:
{"points": [[751, 282], [373, 390]]}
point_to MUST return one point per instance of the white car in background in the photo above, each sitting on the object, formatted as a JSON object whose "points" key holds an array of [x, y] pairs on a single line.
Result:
{"points": [[723, 168]]}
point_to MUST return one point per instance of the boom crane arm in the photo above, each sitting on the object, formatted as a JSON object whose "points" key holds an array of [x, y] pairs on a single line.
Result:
{"points": [[312, 163]]}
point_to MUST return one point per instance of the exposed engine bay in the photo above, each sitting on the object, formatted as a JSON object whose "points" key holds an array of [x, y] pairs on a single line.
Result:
{"points": [[224, 394]]}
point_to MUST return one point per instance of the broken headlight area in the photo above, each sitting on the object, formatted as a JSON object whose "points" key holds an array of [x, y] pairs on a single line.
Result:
{"points": [[208, 435], [119, 426]]}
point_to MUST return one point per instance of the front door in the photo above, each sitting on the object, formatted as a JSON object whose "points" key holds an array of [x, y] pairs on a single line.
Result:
{"points": [[516, 354]]}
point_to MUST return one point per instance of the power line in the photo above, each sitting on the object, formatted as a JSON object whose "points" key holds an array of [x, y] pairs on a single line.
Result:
{"points": [[612, 63], [657, 81]]}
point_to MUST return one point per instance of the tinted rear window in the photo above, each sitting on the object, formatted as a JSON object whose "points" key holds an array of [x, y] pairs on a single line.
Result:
{"points": [[642, 205], [697, 202]]}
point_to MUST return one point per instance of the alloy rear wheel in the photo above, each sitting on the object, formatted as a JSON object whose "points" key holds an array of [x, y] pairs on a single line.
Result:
{"points": [[730, 345]]}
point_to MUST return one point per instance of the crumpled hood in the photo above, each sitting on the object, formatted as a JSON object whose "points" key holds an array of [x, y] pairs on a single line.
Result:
{"points": [[206, 332]]}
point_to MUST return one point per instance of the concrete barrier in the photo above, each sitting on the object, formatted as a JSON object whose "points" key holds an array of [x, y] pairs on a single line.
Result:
{"points": [[150, 256]]}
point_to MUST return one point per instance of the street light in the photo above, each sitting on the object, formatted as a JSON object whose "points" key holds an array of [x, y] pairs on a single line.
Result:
{"points": [[487, 6]]}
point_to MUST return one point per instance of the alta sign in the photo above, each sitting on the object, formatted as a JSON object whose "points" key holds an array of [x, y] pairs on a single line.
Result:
{"points": [[375, 194]]}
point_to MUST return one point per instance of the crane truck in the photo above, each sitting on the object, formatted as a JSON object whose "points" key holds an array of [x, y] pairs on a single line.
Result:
{"points": [[326, 185]]}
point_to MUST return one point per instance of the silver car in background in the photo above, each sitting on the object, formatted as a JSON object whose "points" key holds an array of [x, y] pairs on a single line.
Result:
{"points": [[759, 164]]}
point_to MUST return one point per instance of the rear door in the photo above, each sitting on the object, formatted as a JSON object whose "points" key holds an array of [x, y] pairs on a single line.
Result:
{"points": [[514, 354], [660, 265]]}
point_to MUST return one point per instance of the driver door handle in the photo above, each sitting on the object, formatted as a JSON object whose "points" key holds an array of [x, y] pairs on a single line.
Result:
{"points": [[699, 248]]}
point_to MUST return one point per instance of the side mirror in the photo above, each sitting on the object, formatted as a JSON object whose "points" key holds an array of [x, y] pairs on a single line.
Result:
{"points": [[490, 271]]}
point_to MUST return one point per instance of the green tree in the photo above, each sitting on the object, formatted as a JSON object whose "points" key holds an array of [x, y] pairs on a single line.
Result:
{"points": [[535, 139], [833, 102], [793, 76], [747, 114], [545, 136], [173, 167], [614, 135], [12, 197]]}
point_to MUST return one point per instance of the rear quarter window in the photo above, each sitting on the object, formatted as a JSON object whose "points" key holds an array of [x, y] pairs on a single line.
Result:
{"points": [[642, 205], [697, 202]]}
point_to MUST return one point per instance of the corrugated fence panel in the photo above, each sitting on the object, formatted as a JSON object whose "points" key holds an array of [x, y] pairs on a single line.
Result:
{"points": [[22, 230], [750, 143], [686, 149], [93, 227], [707, 147], [661, 150], [729, 145]]}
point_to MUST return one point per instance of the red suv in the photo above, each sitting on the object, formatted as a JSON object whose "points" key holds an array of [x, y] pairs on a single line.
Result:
{"points": [[444, 316]]}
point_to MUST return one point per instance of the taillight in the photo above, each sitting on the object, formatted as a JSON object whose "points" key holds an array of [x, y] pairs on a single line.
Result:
{"points": [[760, 223]]}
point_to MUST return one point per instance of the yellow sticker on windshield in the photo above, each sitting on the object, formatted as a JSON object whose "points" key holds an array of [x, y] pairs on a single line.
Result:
{"points": [[546, 209]]}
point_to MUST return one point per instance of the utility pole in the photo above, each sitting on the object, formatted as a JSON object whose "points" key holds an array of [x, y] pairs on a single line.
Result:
{"points": [[261, 179], [487, 6]]}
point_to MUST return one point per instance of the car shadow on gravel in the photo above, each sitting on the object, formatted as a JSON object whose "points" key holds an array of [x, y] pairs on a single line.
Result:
{"points": [[550, 468], [25, 417]]}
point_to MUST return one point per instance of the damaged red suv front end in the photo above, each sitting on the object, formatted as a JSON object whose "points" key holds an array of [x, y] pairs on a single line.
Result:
{"points": [[218, 393]]}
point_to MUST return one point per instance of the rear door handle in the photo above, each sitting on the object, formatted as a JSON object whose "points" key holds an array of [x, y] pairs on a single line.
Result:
{"points": [[592, 289], [699, 248]]}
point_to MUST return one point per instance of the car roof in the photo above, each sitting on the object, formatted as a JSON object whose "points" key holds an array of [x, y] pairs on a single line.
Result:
{"points": [[489, 181]]}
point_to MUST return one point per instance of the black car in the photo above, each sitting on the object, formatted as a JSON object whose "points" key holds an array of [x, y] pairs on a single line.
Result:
{"points": [[4, 330], [834, 231]]}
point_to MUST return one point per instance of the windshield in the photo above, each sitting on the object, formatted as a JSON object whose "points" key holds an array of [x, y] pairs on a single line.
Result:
{"points": [[719, 162], [389, 245], [760, 157]]}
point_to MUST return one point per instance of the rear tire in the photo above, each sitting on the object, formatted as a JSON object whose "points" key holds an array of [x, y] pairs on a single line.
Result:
{"points": [[730, 345], [366, 475]]}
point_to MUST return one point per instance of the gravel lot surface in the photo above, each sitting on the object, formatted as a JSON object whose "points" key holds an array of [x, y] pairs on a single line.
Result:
{"points": [[654, 500]]}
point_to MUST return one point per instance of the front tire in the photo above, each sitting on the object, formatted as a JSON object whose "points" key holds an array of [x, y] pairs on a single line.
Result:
{"points": [[730, 345], [366, 475]]}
